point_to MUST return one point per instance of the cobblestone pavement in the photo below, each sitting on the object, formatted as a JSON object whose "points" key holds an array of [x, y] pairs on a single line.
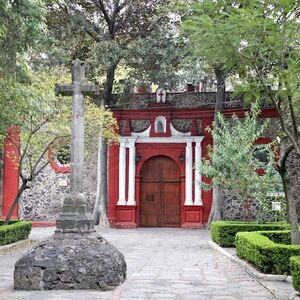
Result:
{"points": [[163, 264]]}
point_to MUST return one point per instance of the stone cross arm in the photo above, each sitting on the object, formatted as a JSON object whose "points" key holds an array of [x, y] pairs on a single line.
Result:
{"points": [[69, 89]]}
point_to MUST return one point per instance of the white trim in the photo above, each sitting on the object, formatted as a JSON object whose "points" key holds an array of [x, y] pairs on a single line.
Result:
{"points": [[122, 173], [188, 173], [169, 139], [131, 176], [175, 132], [198, 154], [143, 133]]}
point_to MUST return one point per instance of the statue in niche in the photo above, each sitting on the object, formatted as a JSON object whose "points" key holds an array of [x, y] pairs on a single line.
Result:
{"points": [[160, 124]]}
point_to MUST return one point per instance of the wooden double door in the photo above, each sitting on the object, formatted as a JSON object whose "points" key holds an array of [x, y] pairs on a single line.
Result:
{"points": [[160, 204]]}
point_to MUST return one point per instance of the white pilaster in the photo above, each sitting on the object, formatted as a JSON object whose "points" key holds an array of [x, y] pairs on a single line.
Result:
{"points": [[131, 183], [198, 199], [188, 173], [122, 173]]}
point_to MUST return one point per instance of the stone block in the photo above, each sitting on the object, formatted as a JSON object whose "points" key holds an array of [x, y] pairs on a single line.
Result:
{"points": [[71, 261]]}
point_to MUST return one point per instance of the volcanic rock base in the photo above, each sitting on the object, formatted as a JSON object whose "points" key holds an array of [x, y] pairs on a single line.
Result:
{"points": [[71, 261]]}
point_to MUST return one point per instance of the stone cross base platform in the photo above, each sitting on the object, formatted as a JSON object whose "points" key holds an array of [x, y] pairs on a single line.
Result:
{"points": [[71, 261]]}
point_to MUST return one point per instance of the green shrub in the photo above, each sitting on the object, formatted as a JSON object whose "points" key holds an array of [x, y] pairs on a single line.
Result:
{"points": [[14, 232], [266, 254], [223, 232], [295, 271], [10, 222]]}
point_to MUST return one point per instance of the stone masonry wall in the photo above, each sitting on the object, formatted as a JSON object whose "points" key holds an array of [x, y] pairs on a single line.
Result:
{"points": [[234, 208], [44, 200]]}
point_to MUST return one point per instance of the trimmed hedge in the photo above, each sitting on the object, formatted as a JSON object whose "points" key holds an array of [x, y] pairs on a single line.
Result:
{"points": [[295, 271], [14, 232], [267, 255], [223, 232]]}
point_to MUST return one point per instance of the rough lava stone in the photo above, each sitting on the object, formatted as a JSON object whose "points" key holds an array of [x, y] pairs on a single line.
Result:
{"points": [[71, 261]]}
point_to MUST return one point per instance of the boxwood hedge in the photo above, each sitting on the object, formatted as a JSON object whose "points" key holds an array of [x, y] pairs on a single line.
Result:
{"points": [[14, 232], [223, 232], [267, 250], [295, 271]]}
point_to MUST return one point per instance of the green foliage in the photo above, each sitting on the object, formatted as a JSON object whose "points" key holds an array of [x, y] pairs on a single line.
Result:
{"points": [[14, 232], [269, 256], [21, 25], [137, 36], [231, 163], [259, 40], [223, 232], [156, 57], [205, 27], [295, 271], [44, 121], [63, 154], [99, 121]]}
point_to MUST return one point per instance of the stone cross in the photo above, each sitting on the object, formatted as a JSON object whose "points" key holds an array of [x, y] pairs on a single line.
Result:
{"points": [[161, 95], [74, 217]]}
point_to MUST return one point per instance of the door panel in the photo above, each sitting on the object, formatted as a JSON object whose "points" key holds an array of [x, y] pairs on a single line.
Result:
{"points": [[160, 193], [150, 211], [171, 205]]}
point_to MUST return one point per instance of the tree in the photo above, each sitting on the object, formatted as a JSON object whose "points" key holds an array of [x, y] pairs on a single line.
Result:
{"points": [[157, 57], [46, 126], [102, 32], [234, 167], [201, 25], [21, 25], [264, 39]]}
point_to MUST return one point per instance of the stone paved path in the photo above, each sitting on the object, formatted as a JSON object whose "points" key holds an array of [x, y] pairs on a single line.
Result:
{"points": [[163, 264]]}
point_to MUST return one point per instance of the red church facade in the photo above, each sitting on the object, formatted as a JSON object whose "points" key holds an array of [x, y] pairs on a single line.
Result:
{"points": [[152, 178]]}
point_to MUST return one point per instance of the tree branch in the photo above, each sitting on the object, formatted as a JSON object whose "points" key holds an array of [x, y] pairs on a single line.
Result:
{"points": [[100, 4], [45, 150]]}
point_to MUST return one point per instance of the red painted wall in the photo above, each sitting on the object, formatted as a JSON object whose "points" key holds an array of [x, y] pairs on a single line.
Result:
{"points": [[10, 170], [171, 150]]}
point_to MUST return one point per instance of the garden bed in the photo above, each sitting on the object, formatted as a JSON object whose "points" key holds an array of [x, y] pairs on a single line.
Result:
{"points": [[15, 231], [223, 232], [268, 251]]}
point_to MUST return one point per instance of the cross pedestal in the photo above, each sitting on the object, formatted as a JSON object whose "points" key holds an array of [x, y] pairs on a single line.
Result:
{"points": [[75, 257], [74, 217]]}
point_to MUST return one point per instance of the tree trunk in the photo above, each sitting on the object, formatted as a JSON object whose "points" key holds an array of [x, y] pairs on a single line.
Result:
{"points": [[108, 87], [1, 179], [101, 204], [16, 201], [217, 207], [291, 207], [100, 209]]}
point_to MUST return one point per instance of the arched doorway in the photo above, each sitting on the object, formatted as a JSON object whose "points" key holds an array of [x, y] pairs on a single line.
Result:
{"points": [[160, 193]]}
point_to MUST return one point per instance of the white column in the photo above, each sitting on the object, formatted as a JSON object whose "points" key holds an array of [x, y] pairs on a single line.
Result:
{"points": [[131, 183], [188, 173], [122, 173], [198, 199]]}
